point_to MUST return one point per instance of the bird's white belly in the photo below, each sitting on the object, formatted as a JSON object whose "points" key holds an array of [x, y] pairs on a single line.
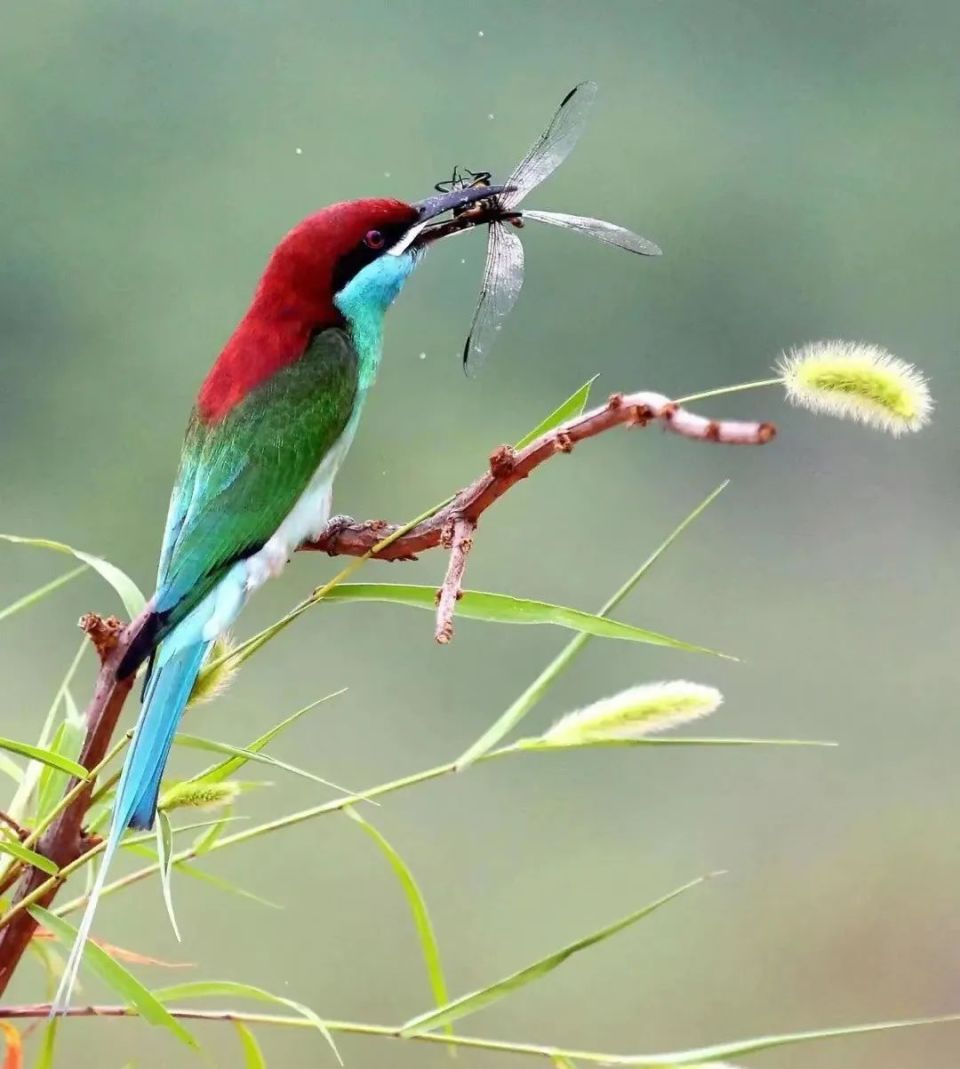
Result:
{"points": [[306, 520]]}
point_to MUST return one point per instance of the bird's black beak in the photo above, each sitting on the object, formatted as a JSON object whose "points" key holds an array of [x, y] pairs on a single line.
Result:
{"points": [[428, 228], [454, 201]]}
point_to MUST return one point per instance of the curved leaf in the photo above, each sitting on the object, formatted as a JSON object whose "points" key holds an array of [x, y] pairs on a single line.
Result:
{"points": [[476, 1000], [44, 756], [41, 592], [506, 609], [126, 985], [573, 406], [231, 988], [133, 600], [418, 908], [28, 856]]}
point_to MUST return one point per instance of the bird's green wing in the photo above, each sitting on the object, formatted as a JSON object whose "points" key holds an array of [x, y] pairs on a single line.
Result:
{"points": [[240, 477]]}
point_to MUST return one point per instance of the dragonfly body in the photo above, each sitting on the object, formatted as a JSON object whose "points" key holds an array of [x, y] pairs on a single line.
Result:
{"points": [[503, 269]]}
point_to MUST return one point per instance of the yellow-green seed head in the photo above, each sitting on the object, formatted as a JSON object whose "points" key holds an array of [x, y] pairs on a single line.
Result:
{"points": [[217, 673], [195, 794], [635, 712], [857, 381]]}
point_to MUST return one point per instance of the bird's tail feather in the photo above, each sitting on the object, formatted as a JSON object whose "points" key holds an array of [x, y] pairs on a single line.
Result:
{"points": [[166, 697]]}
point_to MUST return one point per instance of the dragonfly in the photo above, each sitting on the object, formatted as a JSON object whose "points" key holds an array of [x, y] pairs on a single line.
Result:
{"points": [[503, 268]]}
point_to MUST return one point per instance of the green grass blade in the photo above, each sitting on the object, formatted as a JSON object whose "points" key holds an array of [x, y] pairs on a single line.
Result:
{"points": [[536, 690], [232, 989], [44, 756], [41, 592], [195, 742], [133, 600], [30, 779], [30, 857], [573, 406], [418, 909], [51, 784], [227, 768], [223, 885], [165, 855], [477, 1000], [689, 740], [10, 768], [126, 985], [252, 1054], [48, 1044], [505, 609], [739, 1048]]}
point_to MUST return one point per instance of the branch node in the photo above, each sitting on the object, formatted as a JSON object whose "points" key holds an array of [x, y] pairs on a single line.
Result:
{"points": [[564, 442], [641, 415], [104, 632], [502, 461], [615, 401]]}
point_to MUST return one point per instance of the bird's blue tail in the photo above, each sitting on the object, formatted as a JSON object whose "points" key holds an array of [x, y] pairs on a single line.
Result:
{"points": [[164, 700]]}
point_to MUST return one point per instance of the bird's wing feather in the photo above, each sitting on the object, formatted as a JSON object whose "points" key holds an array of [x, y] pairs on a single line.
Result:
{"points": [[241, 476]]}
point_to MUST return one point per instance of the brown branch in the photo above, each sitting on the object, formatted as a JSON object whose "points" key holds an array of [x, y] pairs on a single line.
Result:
{"points": [[64, 841], [458, 538], [508, 466]]}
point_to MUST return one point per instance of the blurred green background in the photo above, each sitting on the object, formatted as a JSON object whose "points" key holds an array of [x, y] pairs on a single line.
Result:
{"points": [[798, 163]]}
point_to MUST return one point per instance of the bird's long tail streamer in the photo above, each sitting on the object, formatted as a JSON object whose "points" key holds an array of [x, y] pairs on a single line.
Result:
{"points": [[165, 699]]}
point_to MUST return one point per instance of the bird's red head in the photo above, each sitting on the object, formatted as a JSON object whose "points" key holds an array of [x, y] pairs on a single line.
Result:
{"points": [[294, 298]]}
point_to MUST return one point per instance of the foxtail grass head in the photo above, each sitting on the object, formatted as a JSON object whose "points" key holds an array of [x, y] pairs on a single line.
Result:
{"points": [[858, 381], [634, 713], [197, 794], [217, 672]]}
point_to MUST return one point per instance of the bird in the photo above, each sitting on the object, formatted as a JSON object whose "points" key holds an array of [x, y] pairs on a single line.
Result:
{"points": [[268, 432]]}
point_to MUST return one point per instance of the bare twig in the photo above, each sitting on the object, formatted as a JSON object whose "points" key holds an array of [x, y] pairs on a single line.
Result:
{"points": [[458, 538], [64, 841], [15, 826], [508, 466]]}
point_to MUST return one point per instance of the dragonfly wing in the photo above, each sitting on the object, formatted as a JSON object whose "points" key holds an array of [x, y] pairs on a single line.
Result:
{"points": [[502, 279], [555, 144], [599, 229]]}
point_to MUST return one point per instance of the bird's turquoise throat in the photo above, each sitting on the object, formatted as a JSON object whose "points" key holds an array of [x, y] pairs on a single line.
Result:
{"points": [[364, 302]]}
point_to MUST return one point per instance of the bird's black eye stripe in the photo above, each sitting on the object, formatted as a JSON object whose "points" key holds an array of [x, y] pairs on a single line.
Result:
{"points": [[370, 246]]}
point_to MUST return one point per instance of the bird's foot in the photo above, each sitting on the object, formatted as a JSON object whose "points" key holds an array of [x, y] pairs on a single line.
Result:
{"points": [[334, 526]]}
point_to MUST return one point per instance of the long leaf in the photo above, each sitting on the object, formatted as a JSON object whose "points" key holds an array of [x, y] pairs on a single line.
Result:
{"points": [[133, 600], [164, 835], [477, 1000], [67, 742], [227, 768], [536, 690], [44, 756], [126, 985], [18, 807], [505, 609], [41, 592], [418, 909], [195, 742], [30, 857], [10, 768], [738, 1048], [573, 406], [252, 1054], [230, 989]]}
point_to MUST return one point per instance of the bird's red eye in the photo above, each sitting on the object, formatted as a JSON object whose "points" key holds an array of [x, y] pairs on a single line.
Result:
{"points": [[374, 239]]}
